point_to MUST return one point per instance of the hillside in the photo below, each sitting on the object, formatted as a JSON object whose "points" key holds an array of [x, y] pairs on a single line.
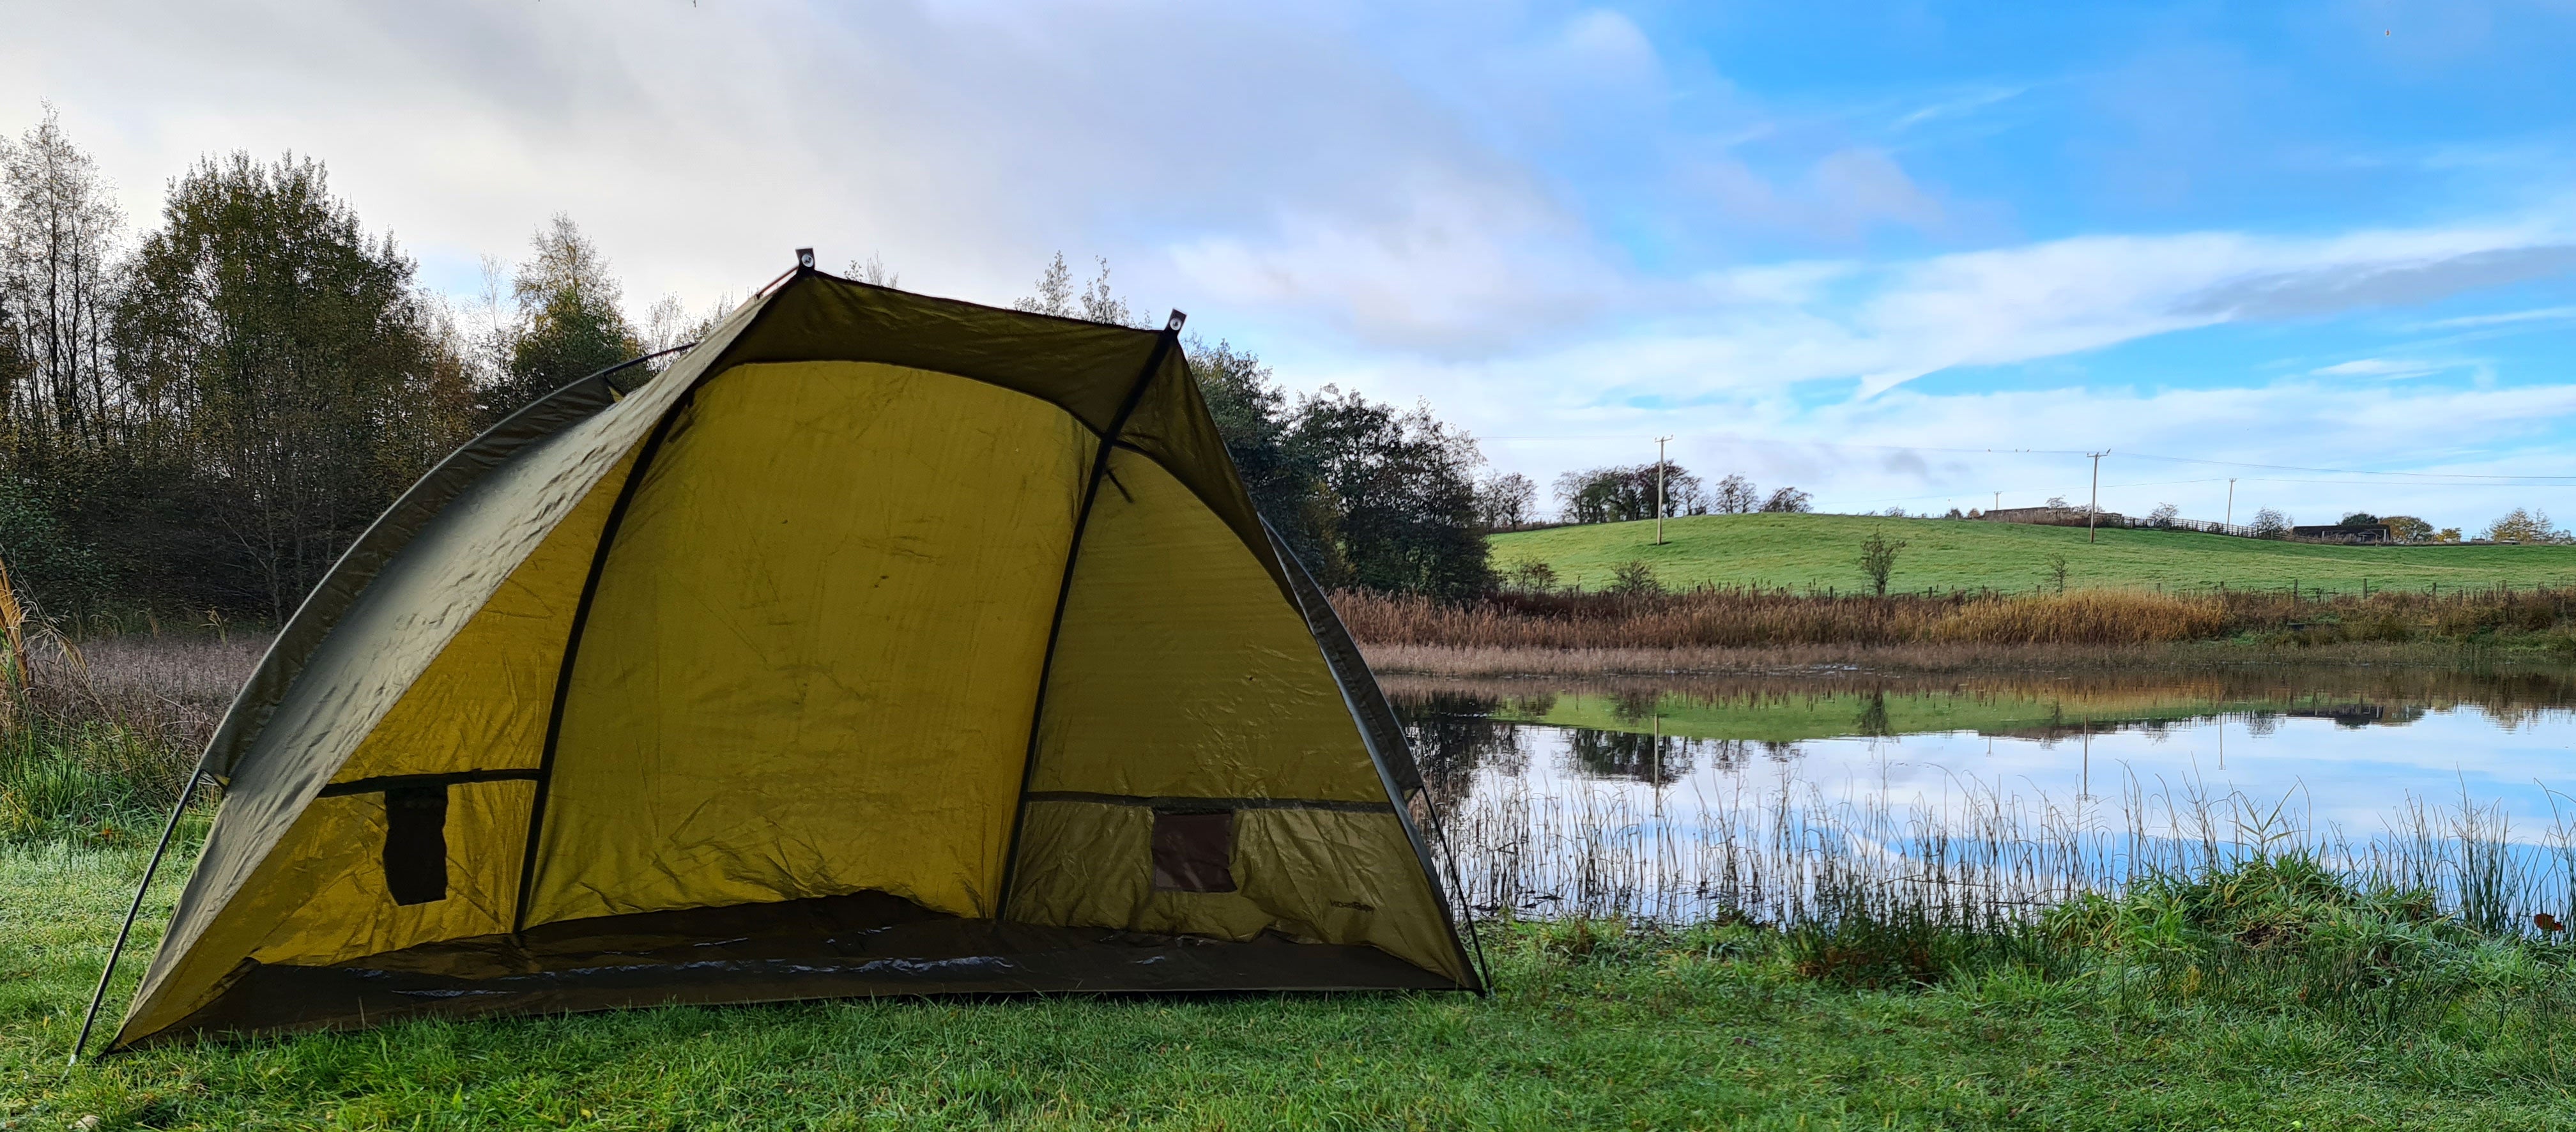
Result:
{"points": [[1823, 551]]}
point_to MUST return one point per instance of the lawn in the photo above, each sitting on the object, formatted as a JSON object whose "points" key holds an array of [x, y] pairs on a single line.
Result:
{"points": [[1707, 1028], [1822, 551]]}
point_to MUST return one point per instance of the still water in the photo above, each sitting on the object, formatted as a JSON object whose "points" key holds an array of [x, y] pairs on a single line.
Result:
{"points": [[1665, 798]]}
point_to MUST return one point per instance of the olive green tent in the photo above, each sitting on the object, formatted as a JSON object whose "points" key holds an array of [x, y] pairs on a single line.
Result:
{"points": [[880, 644]]}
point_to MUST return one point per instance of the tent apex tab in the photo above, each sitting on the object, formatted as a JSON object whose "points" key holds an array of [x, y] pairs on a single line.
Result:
{"points": [[805, 258], [1173, 326]]}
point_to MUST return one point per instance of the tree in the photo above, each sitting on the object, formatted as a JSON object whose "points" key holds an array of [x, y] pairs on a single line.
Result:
{"points": [[2408, 528], [569, 325], [1055, 293], [2358, 519], [2521, 525], [1628, 494], [1287, 487], [1878, 559], [1789, 501], [1635, 579], [2163, 516], [1505, 502], [2057, 571], [58, 232], [307, 372], [873, 272], [1734, 495], [1403, 492]]}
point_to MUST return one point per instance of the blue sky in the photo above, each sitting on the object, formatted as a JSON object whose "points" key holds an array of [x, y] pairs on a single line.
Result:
{"points": [[1876, 250]]}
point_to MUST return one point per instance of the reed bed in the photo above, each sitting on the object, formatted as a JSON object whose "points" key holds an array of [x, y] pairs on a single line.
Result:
{"points": [[101, 733], [1777, 620]]}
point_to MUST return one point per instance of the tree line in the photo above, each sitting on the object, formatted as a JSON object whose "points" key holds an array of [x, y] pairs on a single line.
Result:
{"points": [[203, 414]]}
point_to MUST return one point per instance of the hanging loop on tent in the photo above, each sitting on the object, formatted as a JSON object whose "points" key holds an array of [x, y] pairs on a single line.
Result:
{"points": [[1173, 325], [805, 259], [145, 885]]}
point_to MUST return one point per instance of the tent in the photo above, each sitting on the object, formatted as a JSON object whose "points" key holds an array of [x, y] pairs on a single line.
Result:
{"points": [[879, 645]]}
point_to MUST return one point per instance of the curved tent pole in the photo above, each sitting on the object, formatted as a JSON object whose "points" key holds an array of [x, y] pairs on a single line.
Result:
{"points": [[1154, 360], [135, 909]]}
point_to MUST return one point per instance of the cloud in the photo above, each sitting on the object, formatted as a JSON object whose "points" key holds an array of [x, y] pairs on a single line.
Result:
{"points": [[2392, 368], [2506, 318]]}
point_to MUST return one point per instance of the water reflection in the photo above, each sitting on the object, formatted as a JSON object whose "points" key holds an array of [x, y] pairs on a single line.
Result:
{"points": [[1671, 798]]}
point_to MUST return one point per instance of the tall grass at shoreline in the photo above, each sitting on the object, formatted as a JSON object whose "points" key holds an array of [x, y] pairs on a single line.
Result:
{"points": [[1773, 619], [99, 739]]}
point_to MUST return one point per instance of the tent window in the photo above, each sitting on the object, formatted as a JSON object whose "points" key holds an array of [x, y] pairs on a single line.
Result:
{"points": [[416, 843], [1193, 851]]}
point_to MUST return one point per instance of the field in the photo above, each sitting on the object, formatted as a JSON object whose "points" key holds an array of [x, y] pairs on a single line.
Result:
{"points": [[1823, 551]]}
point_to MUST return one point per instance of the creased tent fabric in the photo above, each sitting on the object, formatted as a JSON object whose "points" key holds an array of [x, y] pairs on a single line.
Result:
{"points": [[880, 645]]}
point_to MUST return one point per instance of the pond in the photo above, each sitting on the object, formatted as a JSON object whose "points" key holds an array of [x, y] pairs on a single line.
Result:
{"points": [[1775, 797]]}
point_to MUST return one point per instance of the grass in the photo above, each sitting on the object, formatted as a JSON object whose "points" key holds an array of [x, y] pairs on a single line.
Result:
{"points": [[1598, 1024], [1823, 551]]}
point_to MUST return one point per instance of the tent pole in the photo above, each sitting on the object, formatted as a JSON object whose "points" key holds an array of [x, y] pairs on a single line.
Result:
{"points": [[1154, 360], [136, 909]]}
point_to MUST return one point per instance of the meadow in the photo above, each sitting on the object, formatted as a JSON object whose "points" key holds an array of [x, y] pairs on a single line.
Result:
{"points": [[1822, 552]]}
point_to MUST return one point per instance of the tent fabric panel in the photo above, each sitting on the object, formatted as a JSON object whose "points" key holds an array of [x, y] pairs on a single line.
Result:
{"points": [[328, 900], [1181, 667], [406, 608], [481, 705], [1086, 368], [810, 663], [1326, 876], [292, 652]]}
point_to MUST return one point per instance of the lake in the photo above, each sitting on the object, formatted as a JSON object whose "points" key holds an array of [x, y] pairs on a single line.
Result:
{"points": [[1690, 798]]}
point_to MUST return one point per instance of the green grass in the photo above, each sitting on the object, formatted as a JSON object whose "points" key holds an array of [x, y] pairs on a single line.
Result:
{"points": [[1593, 1028], [1823, 551]]}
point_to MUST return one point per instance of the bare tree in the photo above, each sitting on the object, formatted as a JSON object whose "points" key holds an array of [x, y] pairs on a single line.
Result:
{"points": [[873, 272], [1506, 502], [58, 238], [1789, 500], [1734, 495], [1055, 291]]}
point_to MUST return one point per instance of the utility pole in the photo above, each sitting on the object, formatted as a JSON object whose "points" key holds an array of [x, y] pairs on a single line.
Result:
{"points": [[1999, 501], [2231, 504], [1659, 489], [2094, 508]]}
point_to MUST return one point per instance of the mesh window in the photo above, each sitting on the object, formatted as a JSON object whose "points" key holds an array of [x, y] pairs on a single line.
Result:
{"points": [[1193, 851]]}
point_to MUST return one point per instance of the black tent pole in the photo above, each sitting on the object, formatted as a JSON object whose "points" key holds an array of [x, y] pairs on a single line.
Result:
{"points": [[136, 909]]}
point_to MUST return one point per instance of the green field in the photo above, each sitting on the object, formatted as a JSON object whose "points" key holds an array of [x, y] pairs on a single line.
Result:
{"points": [[1823, 551]]}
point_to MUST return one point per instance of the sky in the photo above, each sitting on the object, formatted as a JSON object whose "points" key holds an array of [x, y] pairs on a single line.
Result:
{"points": [[1917, 255]]}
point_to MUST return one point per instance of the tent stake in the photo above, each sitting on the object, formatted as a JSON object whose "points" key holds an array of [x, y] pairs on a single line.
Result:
{"points": [[154, 865]]}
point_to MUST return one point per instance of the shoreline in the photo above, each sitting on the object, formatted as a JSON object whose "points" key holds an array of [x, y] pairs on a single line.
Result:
{"points": [[1526, 662]]}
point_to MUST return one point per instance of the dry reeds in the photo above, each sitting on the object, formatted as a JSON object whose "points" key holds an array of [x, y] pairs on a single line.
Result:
{"points": [[1755, 618]]}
